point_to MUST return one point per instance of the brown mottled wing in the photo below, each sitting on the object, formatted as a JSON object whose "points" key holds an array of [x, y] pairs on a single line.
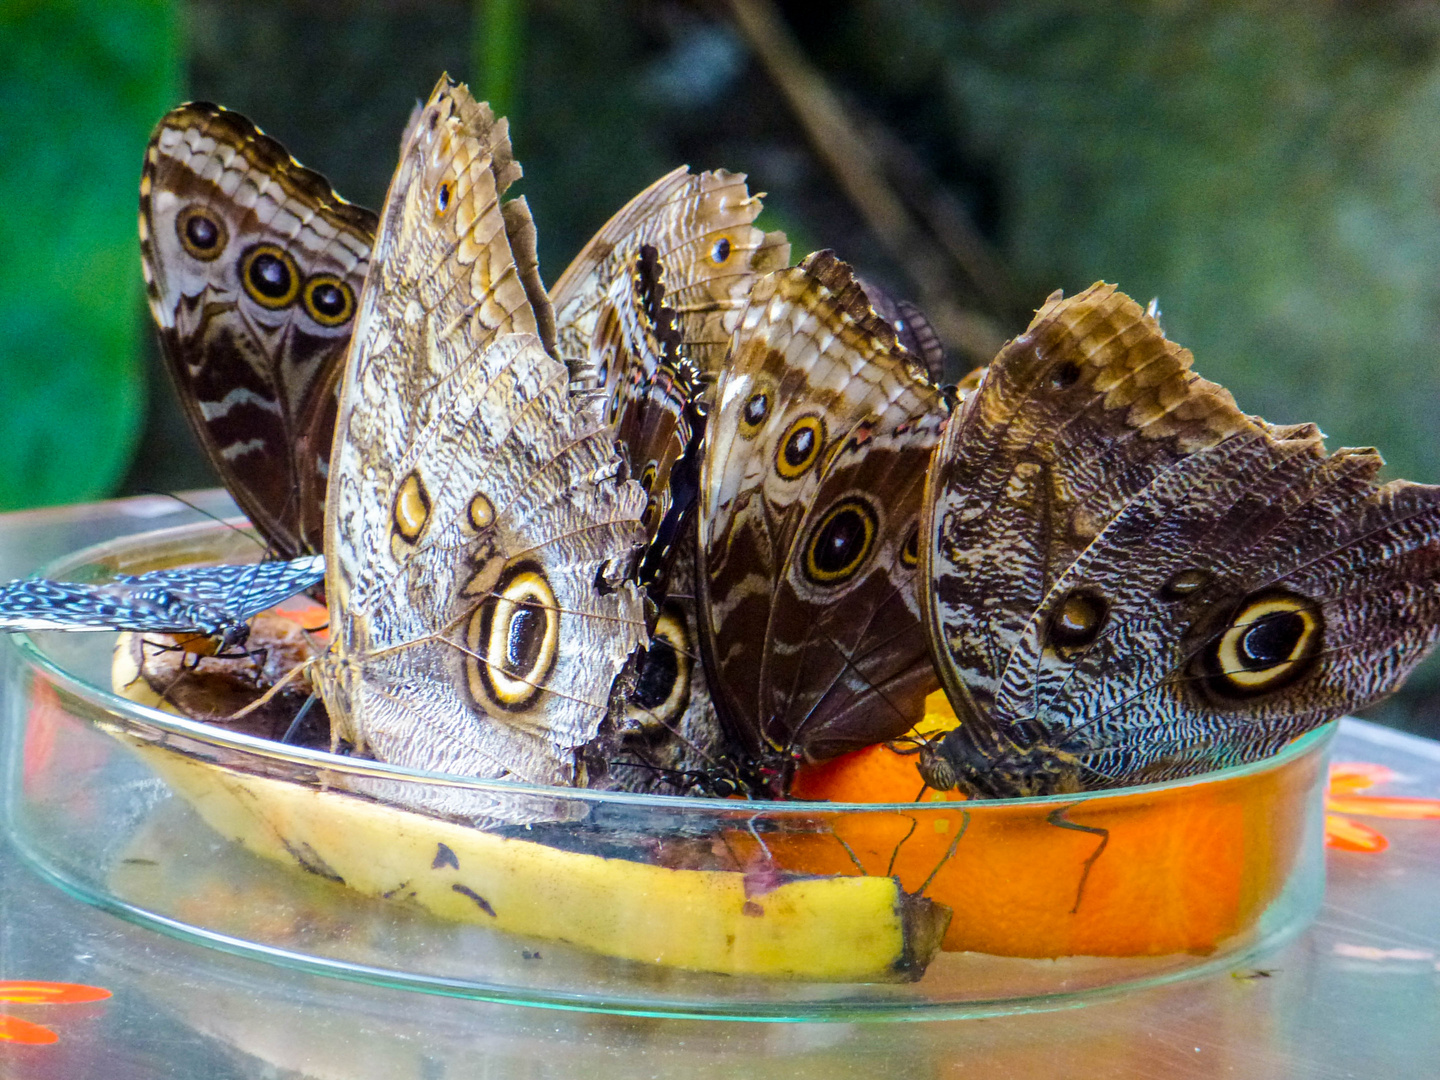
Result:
{"points": [[253, 266], [1129, 579], [476, 532], [673, 742], [809, 516]]}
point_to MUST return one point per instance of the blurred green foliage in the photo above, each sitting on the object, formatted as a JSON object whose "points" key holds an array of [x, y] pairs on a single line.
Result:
{"points": [[81, 85]]}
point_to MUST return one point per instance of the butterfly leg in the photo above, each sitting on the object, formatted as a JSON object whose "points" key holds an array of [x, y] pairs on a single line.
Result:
{"points": [[949, 852], [1058, 819]]}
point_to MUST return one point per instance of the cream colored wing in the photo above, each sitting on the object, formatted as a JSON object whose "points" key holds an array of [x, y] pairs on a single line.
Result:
{"points": [[700, 226], [478, 534]]}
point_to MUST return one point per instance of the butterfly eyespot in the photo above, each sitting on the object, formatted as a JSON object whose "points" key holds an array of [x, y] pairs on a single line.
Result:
{"points": [[1270, 641], [1077, 620], [841, 542], [328, 300], [481, 512], [651, 511], [662, 688], [1184, 583], [757, 407], [442, 197], [513, 639], [720, 250], [647, 478], [1065, 376], [910, 553], [201, 234], [412, 508], [800, 447], [270, 276]]}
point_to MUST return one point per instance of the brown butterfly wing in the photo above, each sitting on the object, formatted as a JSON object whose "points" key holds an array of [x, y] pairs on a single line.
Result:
{"points": [[253, 267], [1130, 579], [809, 515], [672, 741]]}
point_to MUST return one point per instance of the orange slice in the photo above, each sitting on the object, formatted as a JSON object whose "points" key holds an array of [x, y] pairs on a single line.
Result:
{"points": [[1181, 868]]}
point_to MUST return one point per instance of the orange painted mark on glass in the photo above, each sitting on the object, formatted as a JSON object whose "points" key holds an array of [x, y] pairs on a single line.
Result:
{"points": [[13, 1029], [1347, 778]]}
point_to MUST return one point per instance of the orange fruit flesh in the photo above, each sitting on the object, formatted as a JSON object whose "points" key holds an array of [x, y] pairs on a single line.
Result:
{"points": [[1181, 870]]}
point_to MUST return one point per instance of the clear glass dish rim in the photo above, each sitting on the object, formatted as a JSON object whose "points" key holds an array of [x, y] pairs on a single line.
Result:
{"points": [[267, 749]]}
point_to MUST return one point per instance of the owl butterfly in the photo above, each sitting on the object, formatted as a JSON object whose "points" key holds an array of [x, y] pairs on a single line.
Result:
{"points": [[476, 532], [252, 264], [809, 518], [1130, 580], [647, 308]]}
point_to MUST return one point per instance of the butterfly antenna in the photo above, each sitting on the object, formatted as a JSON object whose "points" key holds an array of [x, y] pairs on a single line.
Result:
{"points": [[264, 547]]}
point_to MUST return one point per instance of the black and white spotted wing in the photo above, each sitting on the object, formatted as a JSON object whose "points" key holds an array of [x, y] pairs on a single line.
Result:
{"points": [[214, 601]]}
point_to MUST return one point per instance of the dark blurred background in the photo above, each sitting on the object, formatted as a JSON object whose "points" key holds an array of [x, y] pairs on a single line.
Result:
{"points": [[1268, 170]]}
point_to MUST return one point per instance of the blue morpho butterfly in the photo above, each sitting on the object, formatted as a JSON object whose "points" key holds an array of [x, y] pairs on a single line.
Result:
{"points": [[211, 601]]}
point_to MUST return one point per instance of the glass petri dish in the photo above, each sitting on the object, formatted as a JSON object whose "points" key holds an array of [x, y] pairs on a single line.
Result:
{"points": [[642, 905]]}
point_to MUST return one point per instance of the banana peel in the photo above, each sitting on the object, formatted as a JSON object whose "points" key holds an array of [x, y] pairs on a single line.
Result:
{"points": [[840, 928]]}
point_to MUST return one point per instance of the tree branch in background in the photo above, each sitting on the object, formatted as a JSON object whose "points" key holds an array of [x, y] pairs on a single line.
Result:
{"points": [[941, 251]]}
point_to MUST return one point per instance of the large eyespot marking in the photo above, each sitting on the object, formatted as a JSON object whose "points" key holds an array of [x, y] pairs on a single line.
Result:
{"points": [[1077, 620], [481, 512], [1269, 643], [202, 234], [412, 508], [270, 276], [328, 300], [1184, 583], [513, 638], [662, 689], [720, 251], [910, 553], [647, 476], [840, 543], [800, 447]]}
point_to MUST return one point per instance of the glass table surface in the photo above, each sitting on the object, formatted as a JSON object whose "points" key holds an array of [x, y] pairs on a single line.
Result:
{"points": [[1356, 995]]}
